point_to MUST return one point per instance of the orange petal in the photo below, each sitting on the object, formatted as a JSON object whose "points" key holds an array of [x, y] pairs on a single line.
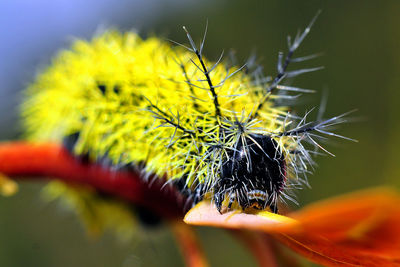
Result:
{"points": [[323, 251], [368, 221], [358, 229], [204, 213]]}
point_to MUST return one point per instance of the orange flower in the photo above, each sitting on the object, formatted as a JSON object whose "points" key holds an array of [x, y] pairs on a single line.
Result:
{"points": [[360, 229]]}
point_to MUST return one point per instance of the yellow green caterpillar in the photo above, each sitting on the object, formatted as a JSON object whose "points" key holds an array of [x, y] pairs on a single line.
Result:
{"points": [[212, 129]]}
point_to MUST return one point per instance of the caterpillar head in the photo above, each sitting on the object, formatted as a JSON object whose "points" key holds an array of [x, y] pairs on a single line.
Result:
{"points": [[253, 174]]}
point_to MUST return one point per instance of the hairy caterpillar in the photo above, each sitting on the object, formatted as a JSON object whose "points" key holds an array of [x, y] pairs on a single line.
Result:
{"points": [[213, 129]]}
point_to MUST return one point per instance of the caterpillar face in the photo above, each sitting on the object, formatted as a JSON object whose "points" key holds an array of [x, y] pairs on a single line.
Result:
{"points": [[253, 175], [216, 131]]}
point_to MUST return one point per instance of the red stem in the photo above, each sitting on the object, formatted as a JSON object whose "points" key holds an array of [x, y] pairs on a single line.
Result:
{"points": [[259, 245], [27, 161], [189, 244]]}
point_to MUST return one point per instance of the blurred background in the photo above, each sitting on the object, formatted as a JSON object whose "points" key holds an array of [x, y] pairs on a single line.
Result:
{"points": [[360, 45]]}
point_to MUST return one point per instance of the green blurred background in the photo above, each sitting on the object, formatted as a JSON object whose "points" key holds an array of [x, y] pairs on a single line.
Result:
{"points": [[360, 43]]}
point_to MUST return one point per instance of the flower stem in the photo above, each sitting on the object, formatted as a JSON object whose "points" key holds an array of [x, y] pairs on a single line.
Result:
{"points": [[259, 245], [189, 245]]}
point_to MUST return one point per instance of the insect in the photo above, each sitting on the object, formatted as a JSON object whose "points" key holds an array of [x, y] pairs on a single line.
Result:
{"points": [[215, 130]]}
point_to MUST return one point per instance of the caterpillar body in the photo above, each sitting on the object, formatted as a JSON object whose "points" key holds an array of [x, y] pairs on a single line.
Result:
{"points": [[213, 129]]}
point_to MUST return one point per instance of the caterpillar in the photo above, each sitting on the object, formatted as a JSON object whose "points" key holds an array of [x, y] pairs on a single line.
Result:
{"points": [[214, 130]]}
